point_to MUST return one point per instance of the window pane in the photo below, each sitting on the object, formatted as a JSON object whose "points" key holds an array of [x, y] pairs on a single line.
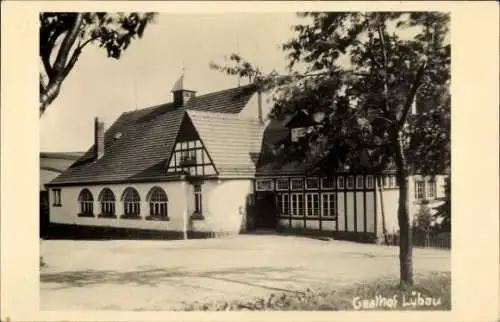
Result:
{"points": [[312, 183], [327, 183], [350, 182], [369, 181], [359, 182], [297, 184], [282, 184], [340, 182]]}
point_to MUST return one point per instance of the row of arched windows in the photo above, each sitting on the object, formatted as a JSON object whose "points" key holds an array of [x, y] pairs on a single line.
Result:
{"points": [[156, 197]]}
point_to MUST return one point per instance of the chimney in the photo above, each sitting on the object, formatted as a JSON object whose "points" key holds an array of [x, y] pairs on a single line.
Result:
{"points": [[259, 107], [181, 94], [99, 138]]}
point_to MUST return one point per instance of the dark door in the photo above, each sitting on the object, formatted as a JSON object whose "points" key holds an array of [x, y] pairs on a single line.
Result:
{"points": [[265, 212]]}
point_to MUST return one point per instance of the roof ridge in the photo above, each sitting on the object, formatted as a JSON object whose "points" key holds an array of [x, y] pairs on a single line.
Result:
{"points": [[223, 116], [225, 90]]}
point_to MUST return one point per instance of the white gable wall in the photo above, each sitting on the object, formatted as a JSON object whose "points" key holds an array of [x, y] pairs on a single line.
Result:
{"points": [[251, 109]]}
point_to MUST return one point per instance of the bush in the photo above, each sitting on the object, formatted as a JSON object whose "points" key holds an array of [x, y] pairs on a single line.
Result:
{"points": [[436, 285]]}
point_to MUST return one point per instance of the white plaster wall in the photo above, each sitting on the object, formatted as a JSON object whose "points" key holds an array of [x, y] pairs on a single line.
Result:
{"points": [[223, 202], [390, 202], [350, 210], [312, 224], [360, 216], [414, 204], [68, 212], [297, 223], [329, 225], [341, 211], [251, 110], [370, 212]]}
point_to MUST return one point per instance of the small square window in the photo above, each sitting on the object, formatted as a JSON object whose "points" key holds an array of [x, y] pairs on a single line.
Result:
{"points": [[281, 184], [394, 182], [297, 184], [340, 182], [264, 185], [386, 181], [350, 182], [369, 182], [359, 182], [327, 183], [312, 183]]}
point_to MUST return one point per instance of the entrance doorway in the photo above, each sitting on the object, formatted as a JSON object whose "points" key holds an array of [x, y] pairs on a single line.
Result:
{"points": [[265, 210]]}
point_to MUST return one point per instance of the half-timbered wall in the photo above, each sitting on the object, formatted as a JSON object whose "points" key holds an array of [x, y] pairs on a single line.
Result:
{"points": [[342, 204], [192, 158], [190, 155]]}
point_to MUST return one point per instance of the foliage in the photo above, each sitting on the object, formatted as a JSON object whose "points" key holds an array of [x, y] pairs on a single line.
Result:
{"points": [[435, 285], [63, 36], [444, 210], [423, 221], [363, 71]]}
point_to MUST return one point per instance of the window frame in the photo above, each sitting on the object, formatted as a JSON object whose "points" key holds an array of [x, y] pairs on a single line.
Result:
{"points": [[297, 207], [316, 209], [341, 182], [56, 196], [369, 181], [360, 179], [307, 187], [158, 209], [301, 180], [107, 207], [431, 187], [131, 208], [198, 199], [422, 190], [350, 182], [331, 201], [87, 204], [259, 185], [393, 181], [325, 187], [283, 201], [282, 180]]}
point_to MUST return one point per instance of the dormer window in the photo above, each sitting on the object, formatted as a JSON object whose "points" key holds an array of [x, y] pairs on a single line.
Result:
{"points": [[298, 133]]}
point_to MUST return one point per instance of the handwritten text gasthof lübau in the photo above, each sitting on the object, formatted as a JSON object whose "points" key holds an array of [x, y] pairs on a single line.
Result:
{"points": [[396, 302]]}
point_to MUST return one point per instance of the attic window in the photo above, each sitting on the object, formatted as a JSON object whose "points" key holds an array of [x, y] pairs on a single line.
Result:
{"points": [[117, 135]]}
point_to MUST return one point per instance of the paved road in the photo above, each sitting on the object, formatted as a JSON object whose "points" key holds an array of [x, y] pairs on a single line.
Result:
{"points": [[162, 275]]}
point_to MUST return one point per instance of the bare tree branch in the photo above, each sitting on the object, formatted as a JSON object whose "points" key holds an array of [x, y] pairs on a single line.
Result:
{"points": [[67, 43]]}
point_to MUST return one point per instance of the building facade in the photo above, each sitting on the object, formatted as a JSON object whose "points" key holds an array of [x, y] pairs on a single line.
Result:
{"points": [[196, 167]]}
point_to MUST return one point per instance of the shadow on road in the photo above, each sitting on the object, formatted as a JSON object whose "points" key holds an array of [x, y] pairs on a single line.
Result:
{"points": [[254, 277]]}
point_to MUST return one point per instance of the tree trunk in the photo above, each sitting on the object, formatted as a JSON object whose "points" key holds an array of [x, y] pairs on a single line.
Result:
{"points": [[49, 94], [380, 183], [405, 233]]}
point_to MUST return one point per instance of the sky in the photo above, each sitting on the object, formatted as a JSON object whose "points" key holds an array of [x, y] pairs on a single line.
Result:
{"points": [[103, 87]]}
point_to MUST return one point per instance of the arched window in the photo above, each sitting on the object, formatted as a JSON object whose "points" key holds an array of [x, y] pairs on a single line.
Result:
{"points": [[107, 200], [158, 203], [131, 202], [86, 202]]}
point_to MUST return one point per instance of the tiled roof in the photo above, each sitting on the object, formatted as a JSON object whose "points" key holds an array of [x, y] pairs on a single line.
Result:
{"points": [[227, 101], [234, 144], [147, 139]]}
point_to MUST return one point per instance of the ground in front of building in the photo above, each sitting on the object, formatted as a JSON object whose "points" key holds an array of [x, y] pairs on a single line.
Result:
{"points": [[169, 275]]}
